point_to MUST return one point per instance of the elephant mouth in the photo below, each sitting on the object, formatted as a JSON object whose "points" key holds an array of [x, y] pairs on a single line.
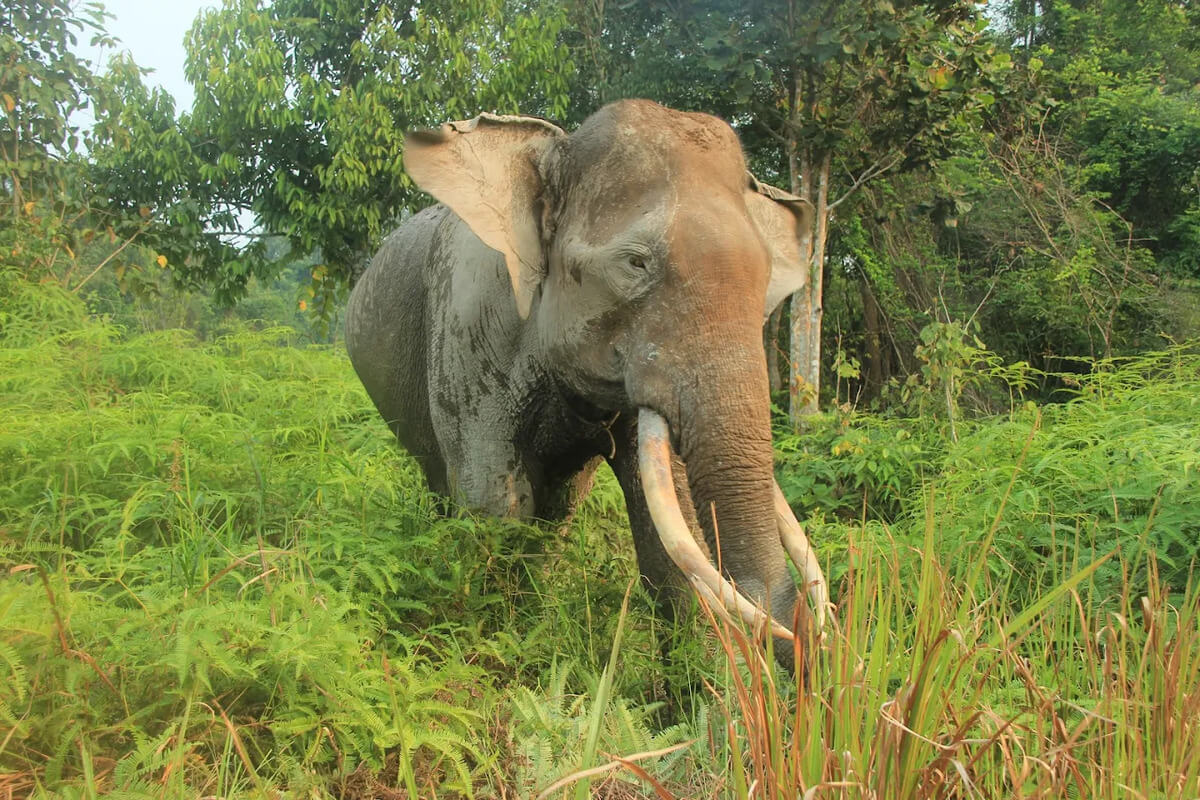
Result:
{"points": [[654, 465]]}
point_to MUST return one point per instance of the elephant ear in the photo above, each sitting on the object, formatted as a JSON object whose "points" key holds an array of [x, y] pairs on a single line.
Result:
{"points": [[486, 170], [785, 223]]}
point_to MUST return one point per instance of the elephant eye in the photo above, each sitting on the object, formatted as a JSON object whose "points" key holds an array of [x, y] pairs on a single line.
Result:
{"points": [[636, 268]]}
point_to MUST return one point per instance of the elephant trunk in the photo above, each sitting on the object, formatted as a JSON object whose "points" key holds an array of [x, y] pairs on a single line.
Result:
{"points": [[724, 438], [725, 442], [654, 462], [730, 464]]}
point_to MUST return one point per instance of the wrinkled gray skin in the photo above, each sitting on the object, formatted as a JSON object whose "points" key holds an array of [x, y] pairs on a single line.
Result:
{"points": [[643, 253]]}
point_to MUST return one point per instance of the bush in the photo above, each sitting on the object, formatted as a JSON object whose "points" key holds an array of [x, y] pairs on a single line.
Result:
{"points": [[1113, 466]]}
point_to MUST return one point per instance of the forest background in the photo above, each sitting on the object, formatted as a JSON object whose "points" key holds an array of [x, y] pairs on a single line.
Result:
{"points": [[222, 579]]}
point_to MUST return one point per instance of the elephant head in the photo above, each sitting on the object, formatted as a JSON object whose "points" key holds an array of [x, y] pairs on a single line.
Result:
{"points": [[643, 259]]}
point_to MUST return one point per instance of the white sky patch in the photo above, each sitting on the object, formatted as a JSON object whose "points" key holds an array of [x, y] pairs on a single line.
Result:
{"points": [[152, 32]]}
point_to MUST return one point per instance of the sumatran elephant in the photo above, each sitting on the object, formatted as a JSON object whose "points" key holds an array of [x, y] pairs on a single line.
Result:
{"points": [[597, 295]]}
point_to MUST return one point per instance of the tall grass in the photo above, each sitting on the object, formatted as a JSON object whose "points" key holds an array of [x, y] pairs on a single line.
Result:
{"points": [[221, 578], [940, 690]]}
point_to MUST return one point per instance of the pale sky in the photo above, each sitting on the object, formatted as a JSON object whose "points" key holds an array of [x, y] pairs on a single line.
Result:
{"points": [[152, 31]]}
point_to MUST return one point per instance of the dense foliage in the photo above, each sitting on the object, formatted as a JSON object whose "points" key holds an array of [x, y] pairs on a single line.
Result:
{"points": [[221, 577], [299, 120]]}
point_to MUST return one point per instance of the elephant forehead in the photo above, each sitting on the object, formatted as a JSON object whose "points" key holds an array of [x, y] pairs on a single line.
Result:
{"points": [[613, 207], [651, 144], [634, 167], [647, 195]]}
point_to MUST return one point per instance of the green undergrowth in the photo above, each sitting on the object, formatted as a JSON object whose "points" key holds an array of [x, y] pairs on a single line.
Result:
{"points": [[222, 578], [221, 575], [1115, 464]]}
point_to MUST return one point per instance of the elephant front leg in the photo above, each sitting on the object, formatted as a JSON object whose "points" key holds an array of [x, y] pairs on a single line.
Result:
{"points": [[484, 473]]}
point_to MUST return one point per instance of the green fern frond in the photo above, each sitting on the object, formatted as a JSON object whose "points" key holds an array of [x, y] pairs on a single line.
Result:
{"points": [[17, 679]]}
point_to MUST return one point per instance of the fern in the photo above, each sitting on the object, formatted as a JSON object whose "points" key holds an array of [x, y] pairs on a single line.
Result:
{"points": [[551, 730], [17, 679]]}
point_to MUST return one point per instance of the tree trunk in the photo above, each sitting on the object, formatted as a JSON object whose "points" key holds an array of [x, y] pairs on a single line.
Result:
{"points": [[875, 372], [799, 165], [797, 356], [807, 309], [816, 285], [771, 345]]}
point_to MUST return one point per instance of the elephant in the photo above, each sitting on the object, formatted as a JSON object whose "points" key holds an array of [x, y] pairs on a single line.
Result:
{"points": [[599, 295]]}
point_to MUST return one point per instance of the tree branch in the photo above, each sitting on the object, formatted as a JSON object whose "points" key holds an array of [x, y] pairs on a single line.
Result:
{"points": [[111, 256], [872, 172]]}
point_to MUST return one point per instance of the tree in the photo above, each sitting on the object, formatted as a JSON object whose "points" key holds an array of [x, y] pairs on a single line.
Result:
{"points": [[42, 86], [50, 212], [1124, 77], [1132, 39], [300, 113], [1141, 148]]}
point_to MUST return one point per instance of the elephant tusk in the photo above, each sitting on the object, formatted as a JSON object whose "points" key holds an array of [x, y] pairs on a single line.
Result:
{"points": [[654, 464], [797, 546]]}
